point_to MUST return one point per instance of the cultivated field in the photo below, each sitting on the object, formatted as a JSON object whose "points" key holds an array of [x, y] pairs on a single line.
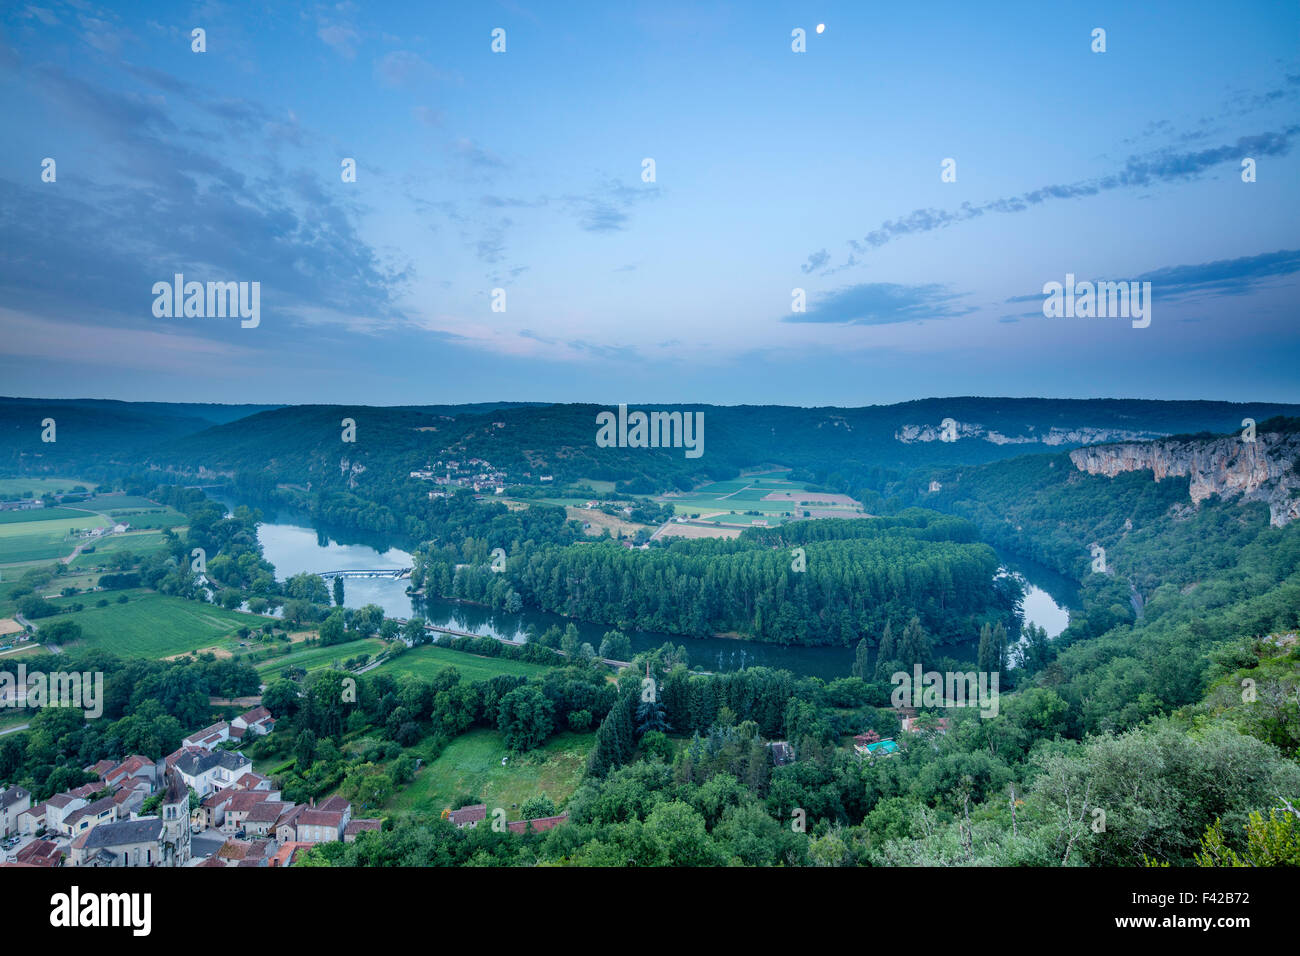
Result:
{"points": [[42, 540], [771, 494], [471, 765], [153, 625]]}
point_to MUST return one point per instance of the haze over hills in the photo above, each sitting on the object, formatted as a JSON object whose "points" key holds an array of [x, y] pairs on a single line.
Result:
{"points": [[297, 444]]}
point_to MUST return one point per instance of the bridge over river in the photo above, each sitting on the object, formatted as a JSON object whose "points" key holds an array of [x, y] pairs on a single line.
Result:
{"points": [[397, 574]]}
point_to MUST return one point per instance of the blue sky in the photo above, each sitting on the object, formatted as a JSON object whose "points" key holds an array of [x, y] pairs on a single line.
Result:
{"points": [[774, 170]]}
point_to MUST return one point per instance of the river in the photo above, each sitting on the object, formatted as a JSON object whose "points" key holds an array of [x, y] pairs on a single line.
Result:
{"points": [[293, 546]]}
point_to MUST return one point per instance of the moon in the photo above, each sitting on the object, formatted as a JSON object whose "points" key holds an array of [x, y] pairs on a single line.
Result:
{"points": [[821, 28]]}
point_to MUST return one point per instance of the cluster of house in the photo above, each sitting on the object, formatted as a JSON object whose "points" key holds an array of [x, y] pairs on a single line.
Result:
{"points": [[22, 504], [472, 816], [101, 823], [120, 528], [473, 473]]}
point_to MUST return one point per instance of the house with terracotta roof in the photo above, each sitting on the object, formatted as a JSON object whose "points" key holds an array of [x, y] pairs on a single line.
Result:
{"points": [[54, 811], [260, 821], [208, 737], [286, 828], [240, 804], [100, 767], [356, 827], [255, 781], [254, 722], [40, 853], [82, 821], [135, 772], [288, 852], [466, 816], [320, 826], [240, 853], [32, 819]]}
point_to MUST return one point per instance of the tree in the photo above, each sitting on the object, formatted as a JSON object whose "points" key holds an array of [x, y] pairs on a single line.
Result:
{"points": [[524, 718], [304, 750], [861, 661], [616, 646], [414, 631], [886, 653], [914, 646], [1271, 842], [538, 806], [338, 591], [333, 630]]}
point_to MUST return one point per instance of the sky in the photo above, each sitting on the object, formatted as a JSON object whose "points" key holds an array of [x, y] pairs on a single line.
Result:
{"points": [[524, 170]]}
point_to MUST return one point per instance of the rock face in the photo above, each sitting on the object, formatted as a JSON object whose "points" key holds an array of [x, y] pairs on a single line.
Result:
{"points": [[1053, 437], [1261, 470]]}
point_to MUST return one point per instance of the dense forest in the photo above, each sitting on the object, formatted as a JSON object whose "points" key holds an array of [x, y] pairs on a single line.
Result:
{"points": [[854, 578]]}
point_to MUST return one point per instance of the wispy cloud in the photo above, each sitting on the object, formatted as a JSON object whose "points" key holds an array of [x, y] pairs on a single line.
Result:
{"points": [[883, 303], [1164, 165]]}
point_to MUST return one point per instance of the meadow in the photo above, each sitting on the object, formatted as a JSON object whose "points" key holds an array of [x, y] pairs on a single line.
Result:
{"points": [[154, 625], [315, 658], [471, 766], [715, 502], [138, 543], [43, 540], [425, 662], [13, 488]]}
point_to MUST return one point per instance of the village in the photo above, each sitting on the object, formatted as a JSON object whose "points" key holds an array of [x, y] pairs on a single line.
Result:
{"points": [[202, 806]]}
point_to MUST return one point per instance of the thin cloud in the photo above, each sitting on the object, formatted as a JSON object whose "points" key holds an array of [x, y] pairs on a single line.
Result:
{"points": [[883, 303]]}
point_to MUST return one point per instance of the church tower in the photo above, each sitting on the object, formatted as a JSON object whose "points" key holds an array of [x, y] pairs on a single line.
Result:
{"points": [[175, 811]]}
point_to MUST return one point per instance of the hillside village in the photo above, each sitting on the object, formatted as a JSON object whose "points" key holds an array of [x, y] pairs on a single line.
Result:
{"points": [[207, 807]]}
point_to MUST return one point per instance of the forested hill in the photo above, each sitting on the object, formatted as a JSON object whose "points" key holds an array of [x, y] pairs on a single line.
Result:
{"points": [[838, 446]]}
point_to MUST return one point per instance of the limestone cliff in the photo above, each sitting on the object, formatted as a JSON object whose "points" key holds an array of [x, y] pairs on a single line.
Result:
{"points": [[1262, 470], [1052, 437]]}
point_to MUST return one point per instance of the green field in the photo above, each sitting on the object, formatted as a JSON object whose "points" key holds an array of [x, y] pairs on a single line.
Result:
{"points": [[314, 658], [13, 488], [425, 662], [154, 625], [471, 764], [138, 543], [43, 540], [741, 495]]}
